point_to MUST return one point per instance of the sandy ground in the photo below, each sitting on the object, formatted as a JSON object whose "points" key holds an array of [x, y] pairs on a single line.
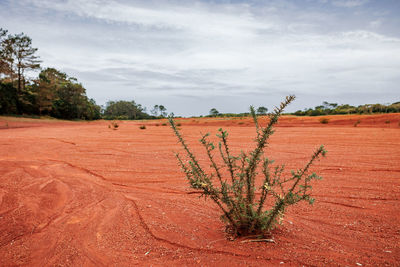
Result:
{"points": [[81, 194]]}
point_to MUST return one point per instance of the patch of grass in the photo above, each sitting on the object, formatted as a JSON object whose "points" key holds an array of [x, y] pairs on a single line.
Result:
{"points": [[324, 120], [142, 127], [231, 185], [164, 124]]}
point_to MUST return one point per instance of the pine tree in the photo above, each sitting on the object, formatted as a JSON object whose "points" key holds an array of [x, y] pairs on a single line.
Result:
{"points": [[17, 58]]}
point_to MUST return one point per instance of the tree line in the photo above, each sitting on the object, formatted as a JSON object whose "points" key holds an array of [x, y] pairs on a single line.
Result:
{"points": [[334, 109], [325, 109], [52, 92]]}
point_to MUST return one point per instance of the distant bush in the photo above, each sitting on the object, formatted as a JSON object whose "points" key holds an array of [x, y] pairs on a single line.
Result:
{"points": [[142, 127], [235, 194], [324, 120], [124, 110], [357, 123], [113, 125]]}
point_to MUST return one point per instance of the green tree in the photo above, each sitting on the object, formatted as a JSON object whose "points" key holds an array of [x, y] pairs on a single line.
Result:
{"points": [[8, 99], [3, 62], [214, 112], [70, 101], [25, 57], [163, 110], [262, 110], [46, 86], [93, 111], [17, 58], [63, 97], [124, 110], [159, 110], [155, 110]]}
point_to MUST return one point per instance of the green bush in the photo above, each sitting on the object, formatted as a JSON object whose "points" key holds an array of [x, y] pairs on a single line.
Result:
{"points": [[244, 213], [142, 127], [324, 120], [113, 125]]}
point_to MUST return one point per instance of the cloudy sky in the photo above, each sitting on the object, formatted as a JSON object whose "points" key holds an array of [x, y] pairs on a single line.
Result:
{"points": [[192, 56]]}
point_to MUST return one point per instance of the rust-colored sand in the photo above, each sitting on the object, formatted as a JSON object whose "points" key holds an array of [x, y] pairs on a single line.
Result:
{"points": [[77, 193]]}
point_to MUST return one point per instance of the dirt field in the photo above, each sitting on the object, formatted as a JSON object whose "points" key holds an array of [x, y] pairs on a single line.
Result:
{"points": [[79, 193]]}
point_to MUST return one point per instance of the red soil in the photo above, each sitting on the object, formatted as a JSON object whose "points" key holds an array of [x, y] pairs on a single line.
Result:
{"points": [[77, 193]]}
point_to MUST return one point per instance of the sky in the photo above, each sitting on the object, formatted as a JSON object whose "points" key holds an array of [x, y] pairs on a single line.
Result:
{"points": [[191, 56]]}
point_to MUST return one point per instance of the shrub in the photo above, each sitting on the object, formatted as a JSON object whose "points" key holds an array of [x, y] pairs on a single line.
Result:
{"points": [[235, 195], [357, 123], [324, 120], [113, 125], [142, 127], [164, 124]]}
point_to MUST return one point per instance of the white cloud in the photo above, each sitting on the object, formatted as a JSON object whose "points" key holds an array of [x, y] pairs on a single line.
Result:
{"points": [[349, 3], [375, 24]]}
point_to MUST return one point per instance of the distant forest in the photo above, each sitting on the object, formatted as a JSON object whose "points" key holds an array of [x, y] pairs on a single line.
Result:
{"points": [[324, 109], [54, 93], [335, 109]]}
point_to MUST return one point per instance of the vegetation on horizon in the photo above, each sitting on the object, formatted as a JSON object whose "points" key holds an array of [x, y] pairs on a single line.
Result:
{"points": [[124, 110], [52, 93], [232, 184], [215, 113], [325, 109], [335, 109]]}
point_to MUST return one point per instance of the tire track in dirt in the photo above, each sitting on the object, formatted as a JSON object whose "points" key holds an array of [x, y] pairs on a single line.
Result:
{"points": [[142, 221], [342, 204], [62, 141], [79, 168], [359, 198], [25, 229], [333, 237]]}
